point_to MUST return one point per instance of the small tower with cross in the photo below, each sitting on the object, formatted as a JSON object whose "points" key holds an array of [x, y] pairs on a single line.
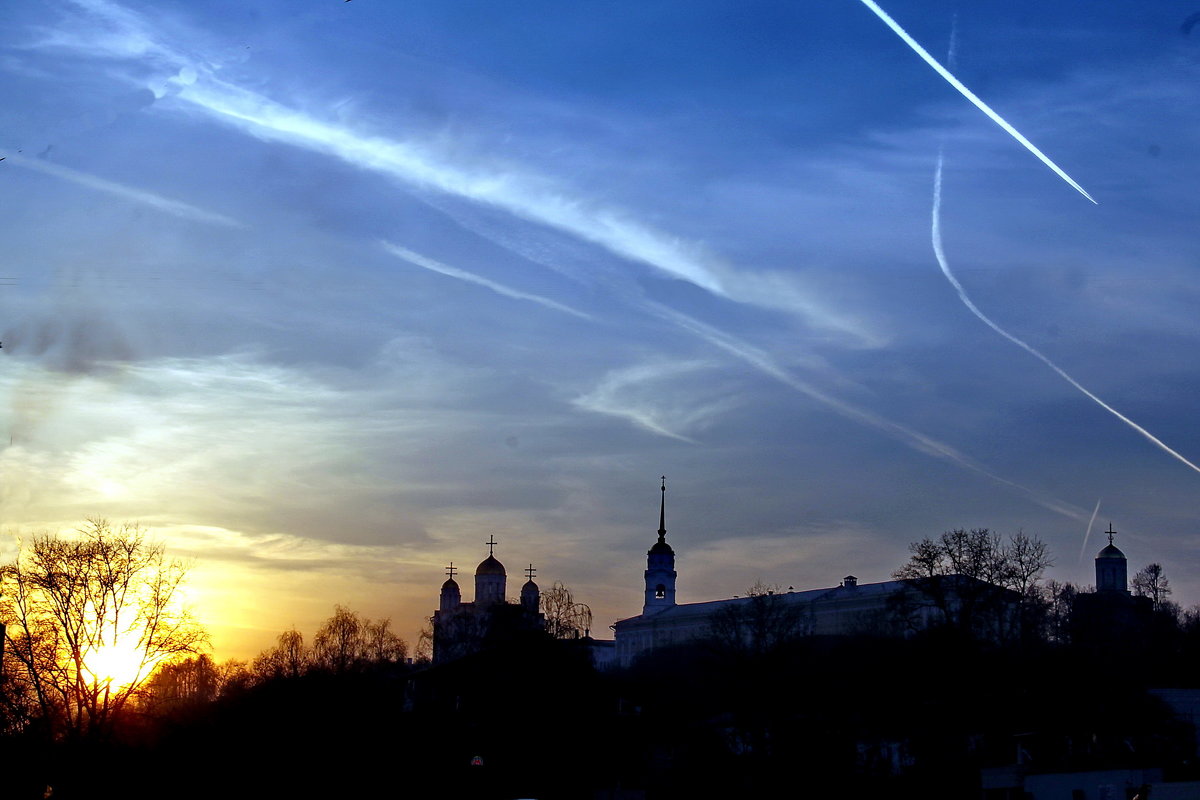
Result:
{"points": [[660, 564], [1112, 569], [451, 595], [490, 578], [530, 594]]}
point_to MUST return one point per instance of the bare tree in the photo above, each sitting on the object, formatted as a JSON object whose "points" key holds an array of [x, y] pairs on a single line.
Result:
{"points": [[235, 676], [346, 642], [287, 659], [190, 683], [89, 616], [761, 623], [937, 568], [1151, 581], [381, 646], [1059, 605], [1022, 562], [338, 645], [194, 681], [565, 619], [424, 649]]}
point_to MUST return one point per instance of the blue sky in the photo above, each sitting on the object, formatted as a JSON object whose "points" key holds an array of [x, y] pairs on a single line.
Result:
{"points": [[326, 293]]}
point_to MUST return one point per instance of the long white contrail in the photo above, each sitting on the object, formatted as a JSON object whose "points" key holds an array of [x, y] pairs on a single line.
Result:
{"points": [[967, 93], [913, 438], [165, 204], [471, 277], [1091, 522], [940, 253]]}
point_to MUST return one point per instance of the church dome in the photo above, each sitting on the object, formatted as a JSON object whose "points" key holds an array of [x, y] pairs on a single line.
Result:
{"points": [[490, 566], [529, 586], [660, 548], [1111, 551], [449, 584]]}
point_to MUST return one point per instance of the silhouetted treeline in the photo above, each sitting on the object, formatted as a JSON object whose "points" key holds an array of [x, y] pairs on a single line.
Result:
{"points": [[1015, 678]]}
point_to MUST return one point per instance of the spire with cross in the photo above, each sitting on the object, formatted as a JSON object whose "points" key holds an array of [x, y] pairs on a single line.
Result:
{"points": [[450, 570], [660, 572], [1111, 533], [662, 512], [530, 571], [491, 543]]}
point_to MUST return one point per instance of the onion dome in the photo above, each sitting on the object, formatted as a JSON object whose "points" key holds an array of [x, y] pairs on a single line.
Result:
{"points": [[490, 566]]}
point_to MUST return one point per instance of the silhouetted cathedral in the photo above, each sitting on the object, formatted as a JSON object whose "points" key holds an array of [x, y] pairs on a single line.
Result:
{"points": [[462, 628]]}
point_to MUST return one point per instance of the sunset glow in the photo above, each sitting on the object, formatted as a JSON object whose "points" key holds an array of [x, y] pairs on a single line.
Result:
{"points": [[119, 665]]}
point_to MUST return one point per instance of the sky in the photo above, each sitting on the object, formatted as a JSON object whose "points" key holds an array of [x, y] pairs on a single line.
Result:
{"points": [[326, 293]]}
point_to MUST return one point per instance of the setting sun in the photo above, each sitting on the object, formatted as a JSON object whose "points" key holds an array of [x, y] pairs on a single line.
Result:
{"points": [[120, 664]]}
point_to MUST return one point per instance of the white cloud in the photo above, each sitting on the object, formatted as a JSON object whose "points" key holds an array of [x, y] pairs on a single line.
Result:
{"points": [[440, 166], [659, 397]]}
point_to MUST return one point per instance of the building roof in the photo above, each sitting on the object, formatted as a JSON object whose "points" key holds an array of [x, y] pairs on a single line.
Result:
{"points": [[689, 610], [490, 566], [1111, 550], [859, 593]]}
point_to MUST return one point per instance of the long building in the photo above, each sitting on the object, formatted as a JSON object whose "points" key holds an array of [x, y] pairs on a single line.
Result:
{"points": [[897, 607]]}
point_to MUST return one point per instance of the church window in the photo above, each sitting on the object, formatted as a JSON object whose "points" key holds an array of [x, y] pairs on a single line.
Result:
{"points": [[660, 592]]}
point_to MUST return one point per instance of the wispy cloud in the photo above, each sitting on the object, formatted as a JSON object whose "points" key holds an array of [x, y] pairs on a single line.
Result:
{"points": [[644, 395], [286, 445], [156, 201], [532, 197], [487, 180], [479, 280], [909, 436]]}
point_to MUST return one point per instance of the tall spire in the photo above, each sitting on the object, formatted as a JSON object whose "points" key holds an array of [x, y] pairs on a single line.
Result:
{"points": [[662, 512], [660, 565]]}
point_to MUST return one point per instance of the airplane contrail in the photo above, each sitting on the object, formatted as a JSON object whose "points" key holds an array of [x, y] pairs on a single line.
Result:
{"points": [[967, 93], [165, 204], [471, 277], [913, 438], [940, 254], [1091, 522]]}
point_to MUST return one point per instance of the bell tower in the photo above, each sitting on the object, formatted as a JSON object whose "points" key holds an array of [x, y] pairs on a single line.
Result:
{"points": [[660, 565]]}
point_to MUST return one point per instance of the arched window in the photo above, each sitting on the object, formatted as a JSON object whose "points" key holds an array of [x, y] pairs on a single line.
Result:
{"points": [[660, 592]]}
